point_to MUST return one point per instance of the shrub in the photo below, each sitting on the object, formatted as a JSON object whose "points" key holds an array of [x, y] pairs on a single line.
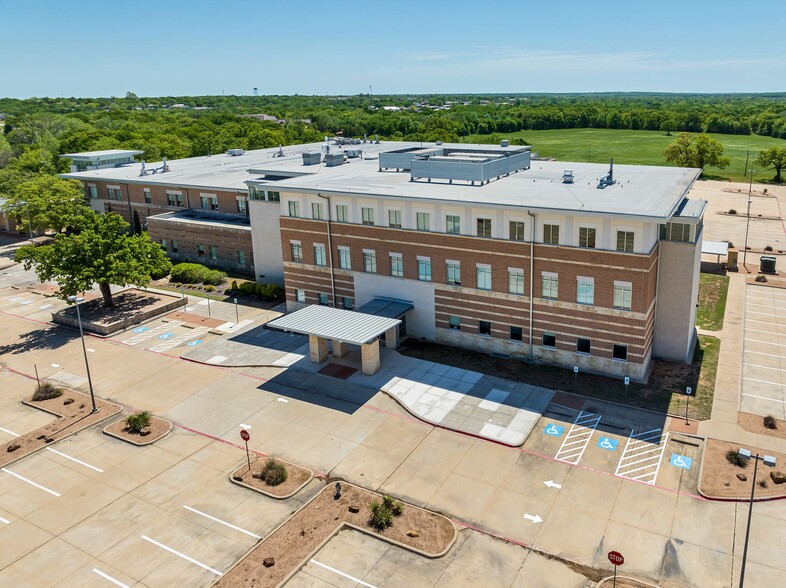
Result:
{"points": [[188, 273], [381, 515], [210, 288], [162, 272], [761, 278], [248, 288], [273, 472], [233, 286], [732, 211], [137, 422], [735, 458], [394, 505], [768, 248], [46, 391], [213, 277], [770, 422]]}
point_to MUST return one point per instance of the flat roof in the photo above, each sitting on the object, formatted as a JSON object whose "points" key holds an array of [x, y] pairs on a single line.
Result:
{"points": [[715, 247], [346, 326], [99, 154], [191, 216]]}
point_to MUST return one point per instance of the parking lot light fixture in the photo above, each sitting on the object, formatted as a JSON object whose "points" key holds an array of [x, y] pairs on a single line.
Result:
{"points": [[769, 461], [77, 300], [748, 220]]}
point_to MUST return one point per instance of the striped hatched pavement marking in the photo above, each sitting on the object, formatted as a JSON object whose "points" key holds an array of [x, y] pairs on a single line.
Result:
{"points": [[577, 439], [174, 342], [642, 456], [139, 337]]}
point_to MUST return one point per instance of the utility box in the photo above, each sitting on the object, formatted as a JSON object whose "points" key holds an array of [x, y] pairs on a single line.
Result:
{"points": [[767, 264], [731, 260]]}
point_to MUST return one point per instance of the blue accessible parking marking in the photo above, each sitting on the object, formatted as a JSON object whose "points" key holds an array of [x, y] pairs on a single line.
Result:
{"points": [[194, 343], [166, 336], [607, 443], [140, 329], [553, 430], [680, 461]]}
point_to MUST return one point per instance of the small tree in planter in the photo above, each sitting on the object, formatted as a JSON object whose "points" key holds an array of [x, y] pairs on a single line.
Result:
{"points": [[138, 422], [273, 472], [46, 391]]}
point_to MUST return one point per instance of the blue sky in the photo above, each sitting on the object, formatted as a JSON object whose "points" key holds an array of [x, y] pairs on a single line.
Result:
{"points": [[175, 47]]}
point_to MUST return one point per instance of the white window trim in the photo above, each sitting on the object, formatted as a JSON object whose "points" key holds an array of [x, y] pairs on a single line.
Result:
{"points": [[549, 274], [295, 242], [515, 270], [371, 251], [423, 258], [117, 187], [343, 248], [452, 261], [483, 266], [389, 254]]}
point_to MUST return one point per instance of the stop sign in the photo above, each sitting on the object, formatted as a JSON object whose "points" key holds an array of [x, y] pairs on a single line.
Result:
{"points": [[245, 437], [616, 558]]}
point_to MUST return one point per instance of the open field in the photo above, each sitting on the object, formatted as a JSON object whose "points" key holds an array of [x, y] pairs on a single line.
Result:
{"points": [[638, 147]]}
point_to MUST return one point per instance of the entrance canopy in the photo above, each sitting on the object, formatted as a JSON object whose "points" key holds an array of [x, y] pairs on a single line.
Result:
{"points": [[345, 326], [386, 307]]}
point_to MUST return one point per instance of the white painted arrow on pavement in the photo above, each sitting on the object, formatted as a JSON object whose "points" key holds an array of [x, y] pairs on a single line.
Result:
{"points": [[553, 484], [534, 518]]}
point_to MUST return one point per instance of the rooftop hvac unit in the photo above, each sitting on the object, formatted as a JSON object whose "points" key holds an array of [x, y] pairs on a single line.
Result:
{"points": [[334, 159], [312, 158], [567, 176], [767, 264], [504, 143], [235, 152]]}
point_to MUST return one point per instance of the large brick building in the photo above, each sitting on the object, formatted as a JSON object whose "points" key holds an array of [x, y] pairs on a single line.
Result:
{"points": [[488, 250]]}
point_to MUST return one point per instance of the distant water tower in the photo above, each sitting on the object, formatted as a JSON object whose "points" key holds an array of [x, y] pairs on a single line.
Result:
{"points": [[256, 91]]}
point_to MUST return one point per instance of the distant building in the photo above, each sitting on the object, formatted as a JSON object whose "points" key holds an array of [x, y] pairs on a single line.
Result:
{"points": [[100, 159]]}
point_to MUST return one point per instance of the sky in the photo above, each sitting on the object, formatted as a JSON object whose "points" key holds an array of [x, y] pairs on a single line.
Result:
{"points": [[90, 48]]}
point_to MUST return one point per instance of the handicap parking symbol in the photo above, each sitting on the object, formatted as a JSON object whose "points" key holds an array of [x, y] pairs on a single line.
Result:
{"points": [[553, 430], [140, 329], [194, 343], [608, 443], [680, 461], [166, 336]]}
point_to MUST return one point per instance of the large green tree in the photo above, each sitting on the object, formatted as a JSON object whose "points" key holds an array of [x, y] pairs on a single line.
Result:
{"points": [[45, 203], [696, 151], [774, 157], [98, 251]]}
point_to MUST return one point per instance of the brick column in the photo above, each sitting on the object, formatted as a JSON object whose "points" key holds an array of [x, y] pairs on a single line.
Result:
{"points": [[317, 348], [369, 358], [391, 337], [340, 349]]}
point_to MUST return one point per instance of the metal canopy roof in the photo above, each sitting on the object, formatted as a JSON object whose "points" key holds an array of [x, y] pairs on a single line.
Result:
{"points": [[715, 247], [347, 326], [386, 307]]}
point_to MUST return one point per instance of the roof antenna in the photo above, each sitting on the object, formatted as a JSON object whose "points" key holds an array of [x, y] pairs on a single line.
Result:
{"points": [[608, 179]]}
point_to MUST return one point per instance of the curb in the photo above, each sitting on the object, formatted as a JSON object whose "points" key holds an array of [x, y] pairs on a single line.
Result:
{"points": [[138, 444], [270, 495]]}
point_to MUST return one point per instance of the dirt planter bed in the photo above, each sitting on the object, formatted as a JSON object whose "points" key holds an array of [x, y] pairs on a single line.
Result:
{"points": [[158, 429], [297, 479], [296, 540], [718, 478], [73, 412]]}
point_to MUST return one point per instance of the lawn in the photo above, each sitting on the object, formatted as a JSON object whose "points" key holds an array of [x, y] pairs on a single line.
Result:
{"points": [[713, 290], [639, 147]]}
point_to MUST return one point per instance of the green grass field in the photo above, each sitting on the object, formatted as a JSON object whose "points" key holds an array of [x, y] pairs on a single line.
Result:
{"points": [[639, 147]]}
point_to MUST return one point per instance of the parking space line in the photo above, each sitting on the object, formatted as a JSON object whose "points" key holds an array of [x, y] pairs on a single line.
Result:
{"points": [[764, 398], [762, 353], [581, 431], [138, 338], [183, 555], [764, 367], [174, 342], [747, 328], [633, 451], [79, 461], [230, 525], [340, 573], [6, 521], [765, 342], [762, 381], [10, 432], [110, 578], [766, 305], [39, 486]]}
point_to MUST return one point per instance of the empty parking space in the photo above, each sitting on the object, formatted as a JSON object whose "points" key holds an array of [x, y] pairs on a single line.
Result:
{"points": [[763, 383]]}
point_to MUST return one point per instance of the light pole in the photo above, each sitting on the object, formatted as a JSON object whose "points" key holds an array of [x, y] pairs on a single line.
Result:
{"points": [[77, 300], [770, 461], [748, 221], [27, 213]]}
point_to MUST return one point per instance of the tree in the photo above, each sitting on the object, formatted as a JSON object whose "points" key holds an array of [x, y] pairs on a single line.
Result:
{"points": [[668, 125], [774, 157], [696, 151], [99, 251], [50, 203], [137, 224]]}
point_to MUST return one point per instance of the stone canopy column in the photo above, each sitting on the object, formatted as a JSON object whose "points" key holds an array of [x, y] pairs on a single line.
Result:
{"points": [[340, 349], [369, 358], [317, 348]]}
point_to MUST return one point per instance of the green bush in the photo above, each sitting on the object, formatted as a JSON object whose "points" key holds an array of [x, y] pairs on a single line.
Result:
{"points": [[46, 391], [393, 505], [213, 277], [188, 273], [734, 458], [273, 472], [136, 423], [248, 288], [233, 286], [162, 272], [381, 515], [210, 288]]}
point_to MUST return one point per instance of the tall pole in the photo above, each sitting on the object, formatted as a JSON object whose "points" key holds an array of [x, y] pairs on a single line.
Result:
{"points": [[748, 528], [748, 222], [330, 251], [84, 351]]}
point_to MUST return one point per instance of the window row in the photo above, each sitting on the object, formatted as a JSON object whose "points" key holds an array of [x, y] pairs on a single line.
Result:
{"points": [[202, 250], [323, 299]]}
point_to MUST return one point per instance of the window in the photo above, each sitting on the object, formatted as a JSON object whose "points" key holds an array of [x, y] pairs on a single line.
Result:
{"points": [[453, 224], [367, 215], [625, 241], [93, 191], [273, 196], [587, 237], [174, 246], [294, 208], [484, 328], [163, 243], [484, 227], [396, 266], [424, 269], [323, 299], [549, 286], [619, 352], [241, 204], [317, 211], [516, 333], [394, 219], [174, 199], [342, 213], [585, 290], [676, 232], [114, 193], [515, 281], [347, 303], [200, 250], [148, 196], [622, 295], [344, 258], [549, 340], [370, 262], [300, 295], [551, 234], [319, 254], [423, 221], [517, 230], [241, 258], [484, 277], [583, 346], [296, 250], [209, 202], [213, 252], [454, 273], [454, 322]]}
